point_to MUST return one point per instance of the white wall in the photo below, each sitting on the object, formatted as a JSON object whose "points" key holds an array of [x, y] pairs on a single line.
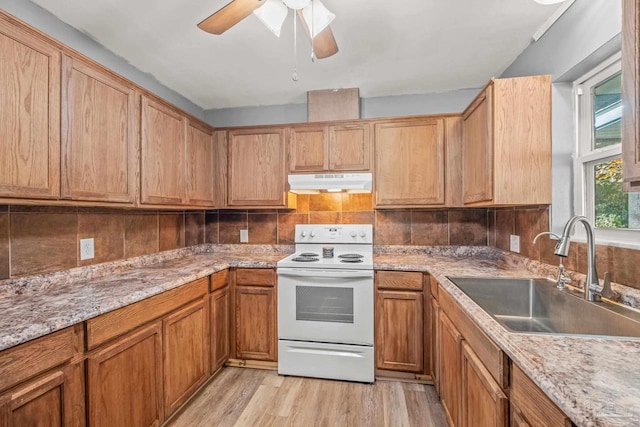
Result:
{"points": [[44, 21], [587, 34]]}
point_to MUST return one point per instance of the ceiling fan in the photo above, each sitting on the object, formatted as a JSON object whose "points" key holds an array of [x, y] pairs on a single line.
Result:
{"points": [[314, 16]]}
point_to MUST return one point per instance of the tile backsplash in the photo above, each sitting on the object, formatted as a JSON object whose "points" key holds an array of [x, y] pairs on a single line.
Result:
{"points": [[36, 239]]}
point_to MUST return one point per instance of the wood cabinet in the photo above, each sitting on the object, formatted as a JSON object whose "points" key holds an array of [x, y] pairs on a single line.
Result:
{"points": [[483, 404], [30, 106], [124, 380], [99, 134], [256, 170], [162, 153], [506, 143], [53, 399], [220, 302], [255, 315], [435, 336], [409, 163], [400, 322], [325, 148], [530, 406], [450, 375], [186, 353], [631, 94], [200, 165]]}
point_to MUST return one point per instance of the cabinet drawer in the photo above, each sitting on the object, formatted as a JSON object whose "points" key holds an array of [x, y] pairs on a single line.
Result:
{"points": [[110, 325], [433, 283], [535, 407], [487, 351], [255, 276], [399, 280], [219, 280], [27, 360]]}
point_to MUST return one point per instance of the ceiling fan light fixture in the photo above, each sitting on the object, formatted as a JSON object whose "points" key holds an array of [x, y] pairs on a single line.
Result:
{"points": [[317, 17], [272, 14], [297, 4]]}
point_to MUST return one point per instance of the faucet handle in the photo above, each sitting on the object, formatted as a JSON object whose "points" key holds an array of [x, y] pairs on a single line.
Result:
{"points": [[550, 233], [606, 286]]}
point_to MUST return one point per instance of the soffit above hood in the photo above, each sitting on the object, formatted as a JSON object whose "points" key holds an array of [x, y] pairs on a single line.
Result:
{"points": [[331, 182]]}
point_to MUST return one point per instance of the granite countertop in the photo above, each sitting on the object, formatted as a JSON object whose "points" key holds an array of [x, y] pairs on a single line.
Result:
{"points": [[594, 381]]}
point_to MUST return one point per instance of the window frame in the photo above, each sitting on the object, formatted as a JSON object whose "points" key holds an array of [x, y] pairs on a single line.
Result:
{"points": [[587, 157]]}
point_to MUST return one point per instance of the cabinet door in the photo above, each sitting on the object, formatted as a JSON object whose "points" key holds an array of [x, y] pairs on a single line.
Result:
{"points": [[200, 166], [399, 326], [30, 106], [517, 419], [124, 381], [450, 364], [483, 402], [186, 353], [435, 343], [308, 148], [255, 326], [99, 134], [477, 150], [220, 305], [349, 147], [257, 167], [410, 163], [54, 399], [163, 154], [631, 93]]}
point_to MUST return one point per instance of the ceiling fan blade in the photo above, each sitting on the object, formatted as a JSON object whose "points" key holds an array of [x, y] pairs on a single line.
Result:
{"points": [[324, 44], [229, 16]]}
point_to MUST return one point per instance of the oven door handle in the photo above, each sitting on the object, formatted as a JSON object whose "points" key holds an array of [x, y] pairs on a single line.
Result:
{"points": [[318, 273]]}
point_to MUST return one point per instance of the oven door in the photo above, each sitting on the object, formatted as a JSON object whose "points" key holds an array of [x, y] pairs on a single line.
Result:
{"points": [[334, 306]]}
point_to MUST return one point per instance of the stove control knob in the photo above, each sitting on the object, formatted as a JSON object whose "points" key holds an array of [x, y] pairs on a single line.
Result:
{"points": [[363, 234], [353, 234], [303, 234], [312, 234]]}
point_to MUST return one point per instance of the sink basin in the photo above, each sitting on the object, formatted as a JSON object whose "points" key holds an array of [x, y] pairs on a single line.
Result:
{"points": [[537, 306]]}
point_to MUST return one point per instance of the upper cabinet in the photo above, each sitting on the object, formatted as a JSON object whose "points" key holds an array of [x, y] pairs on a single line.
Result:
{"points": [[99, 134], [256, 169], [325, 148], [200, 165], [164, 132], [30, 106], [506, 148], [631, 94], [410, 162]]}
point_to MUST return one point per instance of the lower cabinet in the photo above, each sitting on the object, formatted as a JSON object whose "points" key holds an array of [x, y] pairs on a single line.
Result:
{"points": [[450, 375], [220, 305], [53, 399], [186, 355], [125, 381], [435, 340], [483, 402], [256, 336]]}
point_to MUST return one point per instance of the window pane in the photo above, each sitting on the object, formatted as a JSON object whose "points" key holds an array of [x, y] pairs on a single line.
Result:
{"points": [[613, 207], [607, 112]]}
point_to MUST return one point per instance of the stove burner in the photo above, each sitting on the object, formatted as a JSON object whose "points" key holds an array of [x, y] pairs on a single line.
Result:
{"points": [[304, 259], [351, 260], [309, 254], [351, 256]]}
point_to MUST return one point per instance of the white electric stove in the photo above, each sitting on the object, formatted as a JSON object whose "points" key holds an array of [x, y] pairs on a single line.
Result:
{"points": [[325, 304]]}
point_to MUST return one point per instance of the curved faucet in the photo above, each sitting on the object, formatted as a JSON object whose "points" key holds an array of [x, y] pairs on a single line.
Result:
{"points": [[562, 249]]}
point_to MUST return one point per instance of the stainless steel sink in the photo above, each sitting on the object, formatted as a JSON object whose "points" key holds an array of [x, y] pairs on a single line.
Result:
{"points": [[537, 306]]}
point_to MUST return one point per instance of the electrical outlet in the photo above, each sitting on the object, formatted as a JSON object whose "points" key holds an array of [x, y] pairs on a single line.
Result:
{"points": [[244, 236], [514, 243], [86, 249]]}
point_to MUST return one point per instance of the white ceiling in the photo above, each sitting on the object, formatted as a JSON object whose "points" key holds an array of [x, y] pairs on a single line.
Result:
{"points": [[386, 47]]}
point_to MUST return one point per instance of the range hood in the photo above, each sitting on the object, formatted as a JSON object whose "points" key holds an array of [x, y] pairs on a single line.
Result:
{"points": [[330, 183]]}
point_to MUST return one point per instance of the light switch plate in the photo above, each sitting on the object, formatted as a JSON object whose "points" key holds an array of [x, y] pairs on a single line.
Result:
{"points": [[86, 249], [244, 236], [514, 243]]}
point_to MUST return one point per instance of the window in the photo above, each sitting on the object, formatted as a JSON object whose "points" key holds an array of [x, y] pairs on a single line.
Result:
{"points": [[614, 213]]}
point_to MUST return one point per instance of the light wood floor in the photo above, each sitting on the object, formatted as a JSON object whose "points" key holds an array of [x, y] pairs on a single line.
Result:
{"points": [[252, 397]]}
